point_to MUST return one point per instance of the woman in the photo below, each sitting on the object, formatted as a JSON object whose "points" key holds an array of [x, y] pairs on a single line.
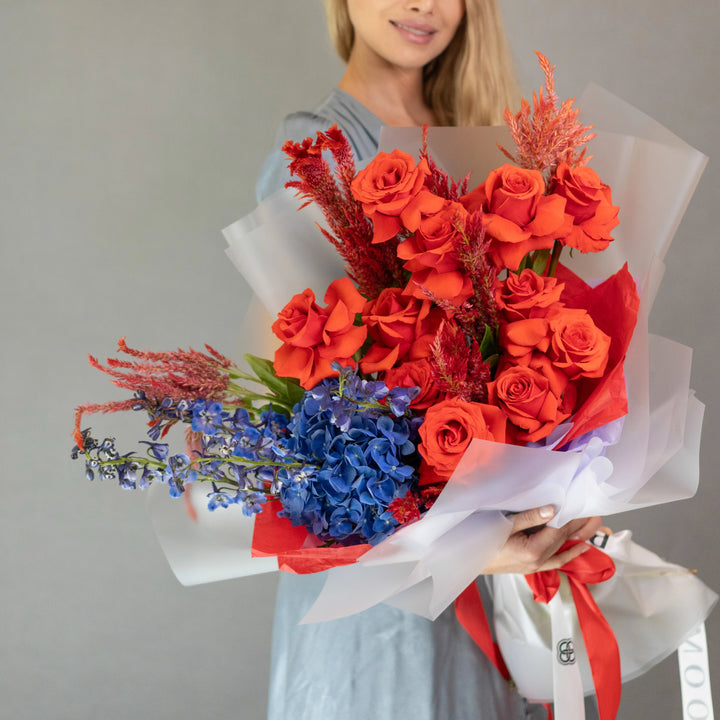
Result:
{"points": [[440, 63], [409, 62]]}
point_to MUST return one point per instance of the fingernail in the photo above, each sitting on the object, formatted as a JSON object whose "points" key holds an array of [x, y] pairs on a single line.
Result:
{"points": [[547, 511]]}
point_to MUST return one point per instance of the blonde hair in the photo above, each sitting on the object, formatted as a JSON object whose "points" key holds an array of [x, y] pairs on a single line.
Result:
{"points": [[472, 81]]}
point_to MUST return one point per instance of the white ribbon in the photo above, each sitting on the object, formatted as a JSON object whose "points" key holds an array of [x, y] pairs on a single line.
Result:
{"points": [[567, 681], [695, 677]]}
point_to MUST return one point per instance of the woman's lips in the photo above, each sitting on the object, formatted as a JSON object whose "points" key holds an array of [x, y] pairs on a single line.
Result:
{"points": [[419, 33]]}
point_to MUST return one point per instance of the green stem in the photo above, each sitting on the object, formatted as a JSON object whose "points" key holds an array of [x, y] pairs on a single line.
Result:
{"points": [[554, 258], [234, 373], [197, 463], [250, 396]]}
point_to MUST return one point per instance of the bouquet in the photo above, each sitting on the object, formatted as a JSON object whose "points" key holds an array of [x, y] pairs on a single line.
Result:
{"points": [[455, 371]]}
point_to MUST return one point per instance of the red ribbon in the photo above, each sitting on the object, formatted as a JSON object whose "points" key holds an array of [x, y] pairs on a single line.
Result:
{"points": [[470, 613], [592, 567]]}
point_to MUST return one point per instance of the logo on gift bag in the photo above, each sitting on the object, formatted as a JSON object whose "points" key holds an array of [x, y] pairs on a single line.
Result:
{"points": [[566, 652]]}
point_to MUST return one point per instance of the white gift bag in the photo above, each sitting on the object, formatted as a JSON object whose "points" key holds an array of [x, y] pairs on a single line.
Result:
{"points": [[652, 607]]}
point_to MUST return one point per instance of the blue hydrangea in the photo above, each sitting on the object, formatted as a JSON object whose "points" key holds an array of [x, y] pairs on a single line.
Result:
{"points": [[363, 455]]}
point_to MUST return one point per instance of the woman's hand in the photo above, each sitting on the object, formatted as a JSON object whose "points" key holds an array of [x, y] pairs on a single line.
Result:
{"points": [[533, 547]]}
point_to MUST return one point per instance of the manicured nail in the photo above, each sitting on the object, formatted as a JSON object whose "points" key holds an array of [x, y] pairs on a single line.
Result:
{"points": [[547, 512]]}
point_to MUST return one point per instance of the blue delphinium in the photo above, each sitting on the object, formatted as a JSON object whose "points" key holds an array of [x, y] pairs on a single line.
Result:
{"points": [[207, 416], [337, 461], [243, 456]]}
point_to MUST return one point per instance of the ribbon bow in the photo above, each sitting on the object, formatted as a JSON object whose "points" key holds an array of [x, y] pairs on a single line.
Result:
{"points": [[592, 567]]}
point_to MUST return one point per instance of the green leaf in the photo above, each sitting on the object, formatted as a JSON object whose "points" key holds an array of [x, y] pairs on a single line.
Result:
{"points": [[264, 371], [525, 262], [488, 344], [293, 391], [492, 362], [540, 260], [288, 390]]}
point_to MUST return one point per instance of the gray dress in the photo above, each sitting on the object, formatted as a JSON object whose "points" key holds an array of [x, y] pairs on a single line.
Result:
{"points": [[384, 663]]}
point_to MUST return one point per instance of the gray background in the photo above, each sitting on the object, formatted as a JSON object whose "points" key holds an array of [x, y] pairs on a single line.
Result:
{"points": [[130, 133]]}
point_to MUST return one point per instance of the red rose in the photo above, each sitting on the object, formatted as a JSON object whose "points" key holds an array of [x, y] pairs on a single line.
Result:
{"points": [[301, 321], [578, 347], [416, 373], [535, 397], [431, 256], [589, 202], [527, 295], [521, 338], [401, 327], [313, 336], [393, 194], [519, 216], [449, 427]]}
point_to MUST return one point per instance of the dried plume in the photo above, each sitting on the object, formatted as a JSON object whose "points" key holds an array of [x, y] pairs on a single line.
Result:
{"points": [[154, 376], [548, 134]]}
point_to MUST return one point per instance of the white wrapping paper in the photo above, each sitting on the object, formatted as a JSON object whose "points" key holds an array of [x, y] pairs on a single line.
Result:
{"points": [[212, 546], [280, 251]]}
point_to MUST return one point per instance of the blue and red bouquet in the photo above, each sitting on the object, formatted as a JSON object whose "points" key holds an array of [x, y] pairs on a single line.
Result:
{"points": [[455, 371], [452, 323]]}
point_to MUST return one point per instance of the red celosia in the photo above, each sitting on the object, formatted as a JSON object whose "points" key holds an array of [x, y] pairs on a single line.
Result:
{"points": [[371, 267], [479, 313], [547, 135], [472, 254], [405, 509], [429, 494], [178, 375], [458, 365], [91, 408]]}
